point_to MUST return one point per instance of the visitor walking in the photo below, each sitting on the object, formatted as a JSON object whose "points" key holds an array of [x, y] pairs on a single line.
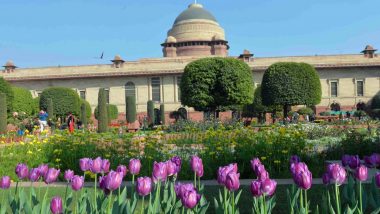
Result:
{"points": [[42, 119], [70, 122]]}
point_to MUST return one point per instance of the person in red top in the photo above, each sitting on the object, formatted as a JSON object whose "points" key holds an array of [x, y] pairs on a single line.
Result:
{"points": [[70, 122]]}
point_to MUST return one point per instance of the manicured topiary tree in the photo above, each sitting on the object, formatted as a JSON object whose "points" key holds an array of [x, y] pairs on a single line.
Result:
{"points": [[162, 112], [88, 111], [112, 112], [64, 100], [290, 83], [23, 101], [50, 108], [150, 110], [213, 84], [6, 88], [3, 113], [103, 115], [83, 114], [131, 109]]}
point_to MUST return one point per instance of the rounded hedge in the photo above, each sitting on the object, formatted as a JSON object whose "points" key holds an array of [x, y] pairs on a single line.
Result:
{"points": [[112, 112], [290, 83], [64, 100], [6, 88], [212, 83], [23, 101]]}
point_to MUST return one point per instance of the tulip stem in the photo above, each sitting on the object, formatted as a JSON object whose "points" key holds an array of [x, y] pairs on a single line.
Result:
{"points": [[109, 202], [337, 198], [195, 180], [264, 203], [64, 202], [142, 205], [30, 194], [233, 202], [360, 197], [95, 205], [306, 204], [301, 199], [16, 188], [225, 200], [199, 183]]}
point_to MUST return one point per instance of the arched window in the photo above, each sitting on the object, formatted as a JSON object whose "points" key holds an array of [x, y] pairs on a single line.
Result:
{"points": [[130, 89]]}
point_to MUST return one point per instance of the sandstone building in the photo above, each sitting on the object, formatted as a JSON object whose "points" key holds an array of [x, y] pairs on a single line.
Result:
{"points": [[195, 34]]}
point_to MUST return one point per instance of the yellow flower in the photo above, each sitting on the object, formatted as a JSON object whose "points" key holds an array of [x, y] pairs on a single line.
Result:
{"points": [[284, 151], [277, 161], [2, 142], [57, 160], [22, 143], [38, 150], [263, 158], [29, 152]]}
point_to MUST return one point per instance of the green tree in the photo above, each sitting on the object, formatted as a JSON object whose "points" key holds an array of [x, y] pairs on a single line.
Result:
{"points": [[3, 113], [112, 112], [23, 101], [88, 111], [150, 110], [131, 109], [50, 108], [103, 115], [6, 88], [214, 84], [290, 83], [65, 100], [83, 114]]}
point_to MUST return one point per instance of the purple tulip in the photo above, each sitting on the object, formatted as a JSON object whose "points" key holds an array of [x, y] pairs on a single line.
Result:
{"points": [[123, 169], [113, 180], [102, 182], [69, 174], [34, 174], [190, 199], [256, 188], [297, 168], [304, 180], [144, 186], [43, 169], [134, 166], [177, 160], [232, 181], [51, 175], [361, 173], [354, 162], [196, 165], [294, 159], [84, 164], [105, 166], [337, 173], [56, 205], [268, 187], [346, 160], [254, 163], [372, 161], [159, 171], [224, 171], [326, 178], [22, 171], [171, 168], [261, 172], [5, 182], [77, 182], [377, 179], [96, 165], [181, 188]]}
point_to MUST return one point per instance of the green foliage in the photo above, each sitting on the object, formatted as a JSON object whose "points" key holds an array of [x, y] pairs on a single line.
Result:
{"points": [[162, 111], [112, 112], [257, 108], [3, 113], [131, 109], [50, 108], [83, 114], [65, 100], [150, 110], [305, 111], [88, 112], [210, 84], [102, 109], [6, 88], [360, 114], [290, 83], [23, 101], [373, 106]]}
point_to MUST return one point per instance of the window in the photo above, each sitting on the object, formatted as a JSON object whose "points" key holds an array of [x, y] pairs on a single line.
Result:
{"points": [[156, 89], [82, 94], [360, 88], [178, 88], [107, 95], [130, 89], [334, 89]]}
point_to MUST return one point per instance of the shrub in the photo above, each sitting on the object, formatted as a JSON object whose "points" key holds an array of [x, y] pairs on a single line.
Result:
{"points": [[6, 88], [3, 113], [83, 114], [112, 112], [64, 100], [88, 109], [162, 112], [50, 108], [131, 109], [23, 101], [305, 111], [150, 110], [102, 108]]}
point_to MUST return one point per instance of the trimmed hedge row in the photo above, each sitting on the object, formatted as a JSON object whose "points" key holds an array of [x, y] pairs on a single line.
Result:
{"points": [[65, 100]]}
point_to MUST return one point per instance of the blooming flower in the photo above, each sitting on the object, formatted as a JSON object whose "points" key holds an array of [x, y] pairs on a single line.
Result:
{"points": [[34, 174], [159, 171], [105, 166], [232, 182], [22, 171], [77, 182], [196, 165], [69, 174], [84, 164], [361, 173], [268, 187], [134, 166], [51, 175], [223, 172], [144, 186], [56, 205], [113, 180], [256, 188], [95, 165], [5, 182], [123, 169], [337, 173]]}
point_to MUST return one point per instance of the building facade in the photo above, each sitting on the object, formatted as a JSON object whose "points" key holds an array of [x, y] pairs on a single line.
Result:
{"points": [[345, 79]]}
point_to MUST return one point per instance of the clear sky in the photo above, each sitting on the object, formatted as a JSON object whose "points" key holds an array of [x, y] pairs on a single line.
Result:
{"points": [[37, 33]]}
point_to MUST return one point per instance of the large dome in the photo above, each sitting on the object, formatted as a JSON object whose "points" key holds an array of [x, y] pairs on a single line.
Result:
{"points": [[195, 11]]}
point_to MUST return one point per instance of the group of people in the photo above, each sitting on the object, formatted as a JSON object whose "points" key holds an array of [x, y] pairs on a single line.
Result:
{"points": [[43, 117]]}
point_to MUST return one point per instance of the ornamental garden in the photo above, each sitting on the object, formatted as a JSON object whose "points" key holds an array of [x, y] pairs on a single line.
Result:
{"points": [[59, 156]]}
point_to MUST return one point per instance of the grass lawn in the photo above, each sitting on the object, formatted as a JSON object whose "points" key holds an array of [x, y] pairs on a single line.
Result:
{"points": [[245, 203]]}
